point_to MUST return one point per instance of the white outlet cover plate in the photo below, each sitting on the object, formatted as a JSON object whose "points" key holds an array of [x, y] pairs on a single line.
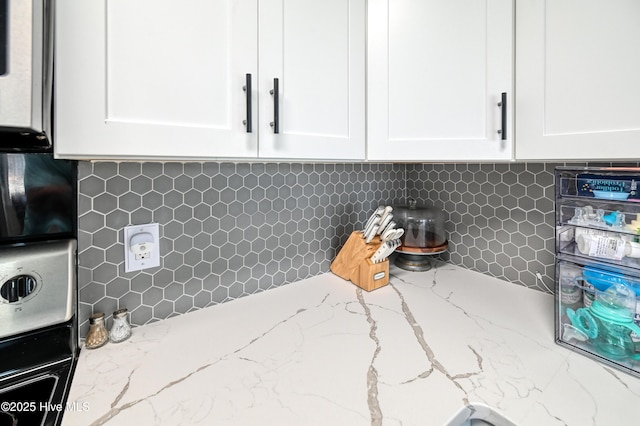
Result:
{"points": [[130, 262]]}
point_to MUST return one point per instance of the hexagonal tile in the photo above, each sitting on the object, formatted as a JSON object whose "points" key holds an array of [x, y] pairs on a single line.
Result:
{"points": [[141, 184], [259, 200]]}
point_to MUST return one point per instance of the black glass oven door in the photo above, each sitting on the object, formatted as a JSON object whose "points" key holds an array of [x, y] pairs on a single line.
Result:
{"points": [[36, 398]]}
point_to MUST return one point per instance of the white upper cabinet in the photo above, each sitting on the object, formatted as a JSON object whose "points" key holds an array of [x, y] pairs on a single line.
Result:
{"points": [[316, 50], [144, 79], [437, 70], [578, 79], [153, 78]]}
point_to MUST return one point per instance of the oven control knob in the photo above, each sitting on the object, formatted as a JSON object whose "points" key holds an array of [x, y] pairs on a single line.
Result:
{"points": [[17, 288]]}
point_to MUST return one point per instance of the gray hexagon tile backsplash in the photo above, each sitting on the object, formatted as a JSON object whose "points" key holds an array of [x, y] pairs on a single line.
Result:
{"points": [[500, 217], [227, 230]]}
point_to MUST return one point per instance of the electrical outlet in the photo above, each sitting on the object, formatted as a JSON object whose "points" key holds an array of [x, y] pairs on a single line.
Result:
{"points": [[141, 247]]}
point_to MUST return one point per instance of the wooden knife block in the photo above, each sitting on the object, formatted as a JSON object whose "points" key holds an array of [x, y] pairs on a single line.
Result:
{"points": [[353, 263]]}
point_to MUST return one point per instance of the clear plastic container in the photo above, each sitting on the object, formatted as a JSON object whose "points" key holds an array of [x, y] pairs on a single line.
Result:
{"points": [[598, 311], [598, 264], [602, 183], [597, 244], [424, 226]]}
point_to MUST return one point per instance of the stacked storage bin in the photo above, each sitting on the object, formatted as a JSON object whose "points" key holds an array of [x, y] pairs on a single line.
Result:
{"points": [[598, 264]]}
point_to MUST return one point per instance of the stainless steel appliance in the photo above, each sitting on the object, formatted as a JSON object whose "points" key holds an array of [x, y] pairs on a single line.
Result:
{"points": [[26, 59], [38, 287]]}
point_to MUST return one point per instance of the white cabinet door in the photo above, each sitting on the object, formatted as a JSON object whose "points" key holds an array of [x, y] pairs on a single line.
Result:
{"points": [[436, 73], [578, 79], [163, 79], [154, 78], [316, 51]]}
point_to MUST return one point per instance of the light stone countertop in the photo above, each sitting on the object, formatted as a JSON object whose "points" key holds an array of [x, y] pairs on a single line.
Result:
{"points": [[324, 352]]}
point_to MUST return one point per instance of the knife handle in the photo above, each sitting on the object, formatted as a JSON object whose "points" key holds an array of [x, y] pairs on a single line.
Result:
{"points": [[378, 212], [374, 230], [384, 222], [385, 250], [376, 256], [369, 230], [385, 213]]}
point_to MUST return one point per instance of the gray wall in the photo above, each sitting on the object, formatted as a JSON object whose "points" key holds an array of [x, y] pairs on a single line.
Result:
{"points": [[227, 230]]}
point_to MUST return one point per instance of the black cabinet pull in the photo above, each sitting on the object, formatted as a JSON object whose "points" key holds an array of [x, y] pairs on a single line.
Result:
{"points": [[503, 106], [247, 88], [276, 109]]}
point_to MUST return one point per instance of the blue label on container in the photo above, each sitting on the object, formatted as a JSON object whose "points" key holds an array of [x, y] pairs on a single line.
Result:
{"points": [[587, 183]]}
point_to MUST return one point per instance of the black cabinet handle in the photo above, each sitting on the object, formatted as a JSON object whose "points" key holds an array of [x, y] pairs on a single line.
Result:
{"points": [[503, 106], [247, 88], [276, 109]]}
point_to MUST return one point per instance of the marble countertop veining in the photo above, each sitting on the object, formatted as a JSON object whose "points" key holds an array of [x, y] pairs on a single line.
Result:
{"points": [[324, 352]]}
